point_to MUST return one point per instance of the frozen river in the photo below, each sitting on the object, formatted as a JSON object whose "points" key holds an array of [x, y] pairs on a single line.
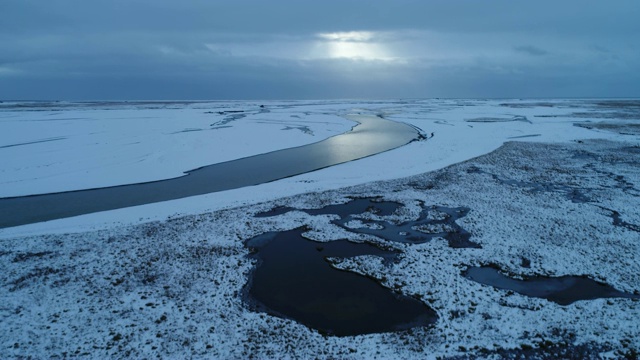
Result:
{"points": [[373, 135]]}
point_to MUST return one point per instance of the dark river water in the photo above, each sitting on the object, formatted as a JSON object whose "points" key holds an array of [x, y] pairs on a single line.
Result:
{"points": [[372, 136]]}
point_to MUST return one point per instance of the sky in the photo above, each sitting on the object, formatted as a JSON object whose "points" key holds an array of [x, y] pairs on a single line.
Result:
{"points": [[309, 49]]}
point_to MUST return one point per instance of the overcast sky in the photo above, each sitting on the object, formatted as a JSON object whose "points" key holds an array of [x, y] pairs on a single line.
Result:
{"points": [[258, 49]]}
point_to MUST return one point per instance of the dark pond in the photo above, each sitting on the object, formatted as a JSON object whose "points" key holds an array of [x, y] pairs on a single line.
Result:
{"points": [[294, 280], [280, 210], [563, 290], [357, 206], [372, 136]]}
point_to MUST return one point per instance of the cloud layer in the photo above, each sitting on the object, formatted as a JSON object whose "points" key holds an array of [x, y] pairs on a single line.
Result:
{"points": [[244, 49]]}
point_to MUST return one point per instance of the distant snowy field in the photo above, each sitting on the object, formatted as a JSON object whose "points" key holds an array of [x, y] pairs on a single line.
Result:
{"points": [[167, 279], [72, 146]]}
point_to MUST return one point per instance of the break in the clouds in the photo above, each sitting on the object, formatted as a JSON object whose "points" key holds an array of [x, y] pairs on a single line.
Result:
{"points": [[71, 49]]}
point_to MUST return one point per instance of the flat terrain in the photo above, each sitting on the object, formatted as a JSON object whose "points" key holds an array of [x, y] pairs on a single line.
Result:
{"points": [[178, 287]]}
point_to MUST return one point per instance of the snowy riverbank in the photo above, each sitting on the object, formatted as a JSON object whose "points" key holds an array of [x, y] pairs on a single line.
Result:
{"points": [[462, 129]]}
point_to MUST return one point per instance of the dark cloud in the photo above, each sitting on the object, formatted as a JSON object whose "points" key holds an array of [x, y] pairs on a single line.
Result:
{"points": [[531, 50], [203, 49], [286, 16]]}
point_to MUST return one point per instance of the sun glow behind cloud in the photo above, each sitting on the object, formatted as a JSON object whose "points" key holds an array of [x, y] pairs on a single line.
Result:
{"points": [[352, 45], [352, 36]]}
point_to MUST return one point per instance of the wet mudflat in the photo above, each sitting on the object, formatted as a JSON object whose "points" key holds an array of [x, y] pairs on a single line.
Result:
{"points": [[563, 290], [294, 280]]}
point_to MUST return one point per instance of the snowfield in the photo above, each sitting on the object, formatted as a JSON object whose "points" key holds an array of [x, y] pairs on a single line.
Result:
{"points": [[553, 188], [73, 146]]}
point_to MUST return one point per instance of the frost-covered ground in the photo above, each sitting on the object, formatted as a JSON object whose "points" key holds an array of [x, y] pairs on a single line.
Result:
{"points": [[560, 196]]}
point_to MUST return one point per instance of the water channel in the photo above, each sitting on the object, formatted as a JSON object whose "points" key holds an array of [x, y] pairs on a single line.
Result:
{"points": [[563, 290], [371, 136]]}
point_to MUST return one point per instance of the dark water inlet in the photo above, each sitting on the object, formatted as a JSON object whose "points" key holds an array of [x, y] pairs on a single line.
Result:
{"points": [[433, 222], [357, 206], [294, 280], [372, 136], [563, 290]]}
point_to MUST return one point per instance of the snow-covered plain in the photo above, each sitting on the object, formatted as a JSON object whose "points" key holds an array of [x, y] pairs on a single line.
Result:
{"points": [[167, 279], [462, 129], [72, 146]]}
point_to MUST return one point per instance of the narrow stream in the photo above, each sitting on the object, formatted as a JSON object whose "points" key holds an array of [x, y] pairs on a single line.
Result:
{"points": [[373, 135]]}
